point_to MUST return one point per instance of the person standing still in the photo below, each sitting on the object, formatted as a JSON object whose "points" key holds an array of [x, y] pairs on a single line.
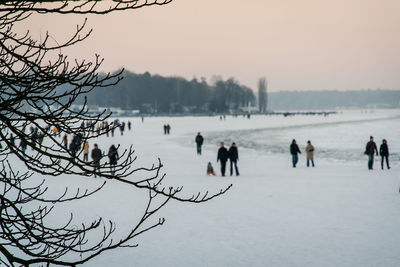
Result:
{"points": [[199, 142], [86, 151], [234, 157], [370, 150], [310, 153], [384, 152], [223, 156], [294, 149]]}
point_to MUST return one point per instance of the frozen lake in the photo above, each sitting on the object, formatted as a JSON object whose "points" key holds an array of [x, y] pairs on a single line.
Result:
{"points": [[336, 214]]}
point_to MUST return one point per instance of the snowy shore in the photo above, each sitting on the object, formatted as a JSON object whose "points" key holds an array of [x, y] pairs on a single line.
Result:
{"points": [[336, 214]]}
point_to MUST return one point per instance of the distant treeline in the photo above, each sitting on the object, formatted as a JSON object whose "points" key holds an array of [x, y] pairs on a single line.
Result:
{"points": [[323, 100], [156, 94]]}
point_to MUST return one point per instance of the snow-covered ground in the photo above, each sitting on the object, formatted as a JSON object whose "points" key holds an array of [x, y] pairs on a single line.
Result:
{"points": [[336, 214]]}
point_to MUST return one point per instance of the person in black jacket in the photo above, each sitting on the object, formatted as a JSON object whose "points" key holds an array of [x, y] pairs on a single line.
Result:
{"points": [[294, 149], [199, 142], [113, 157], [96, 157], [370, 150], [234, 157], [384, 152], [223, 156]]}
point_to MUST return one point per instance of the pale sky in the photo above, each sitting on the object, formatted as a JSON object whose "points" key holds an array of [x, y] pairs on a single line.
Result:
{"points": [[296, 44]]}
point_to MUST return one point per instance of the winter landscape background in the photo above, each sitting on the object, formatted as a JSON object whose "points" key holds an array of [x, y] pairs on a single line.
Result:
{"points": [[336, 214]]}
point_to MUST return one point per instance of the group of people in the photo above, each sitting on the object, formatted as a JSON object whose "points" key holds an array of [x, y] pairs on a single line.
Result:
{"points": [[223, 155], [233, 155], [97, 155], [295, 150], [167, 128], [371, 149]]}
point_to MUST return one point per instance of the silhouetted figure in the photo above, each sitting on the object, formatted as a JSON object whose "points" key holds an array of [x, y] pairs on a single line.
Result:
{"points": [[34, 136], [65, 141], [12, 140], [112, 129], [370, 150], [384, 152], [234, 157], [294, 150], [223, 156], [129, 125], [309, 153], [40, 138], [96, 157], [165, 129], [23, 146], [113, 157], [73, 147], [122, 128], [168, 128], [199, 142], [210, 169], [107, 128]]}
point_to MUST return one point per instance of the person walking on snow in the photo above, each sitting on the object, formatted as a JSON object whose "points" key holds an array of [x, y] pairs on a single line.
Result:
{"points": [[384, 152], [294, 149], [370, 150], [223, 156], [199, 142], [96, 157], [113, 157], [234, 157], [310, 153]]}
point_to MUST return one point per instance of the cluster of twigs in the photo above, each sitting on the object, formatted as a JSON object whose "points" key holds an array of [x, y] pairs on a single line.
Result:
{"points": [[37, 93]]}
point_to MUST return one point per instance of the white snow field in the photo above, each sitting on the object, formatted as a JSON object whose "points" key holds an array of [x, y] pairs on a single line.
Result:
{"points": [[336, 214]]}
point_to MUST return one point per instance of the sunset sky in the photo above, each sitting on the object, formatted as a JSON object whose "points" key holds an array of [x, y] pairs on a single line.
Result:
{"points": [[297, 45]]}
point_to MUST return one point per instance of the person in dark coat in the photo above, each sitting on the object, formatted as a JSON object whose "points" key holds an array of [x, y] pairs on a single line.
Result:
{"points": [[294, 150], [199, 141], [113, 157], [234, 157], [370, 150], [384, 152], [96, 157], [73, 147], [223, 156], [65, 141], [23, 146], [122, 128]]}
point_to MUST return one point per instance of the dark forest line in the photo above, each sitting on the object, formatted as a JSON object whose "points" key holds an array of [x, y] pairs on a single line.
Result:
{"points": [[157, 94]]}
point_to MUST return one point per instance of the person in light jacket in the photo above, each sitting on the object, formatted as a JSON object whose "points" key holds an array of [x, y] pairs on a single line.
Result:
{"points": [[309, 153], [86, 151]]}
